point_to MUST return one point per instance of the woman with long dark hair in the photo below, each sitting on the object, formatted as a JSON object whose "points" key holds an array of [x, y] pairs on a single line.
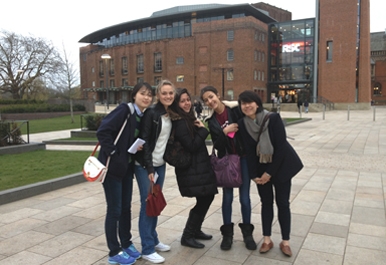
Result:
{"points": [[197, 180]]}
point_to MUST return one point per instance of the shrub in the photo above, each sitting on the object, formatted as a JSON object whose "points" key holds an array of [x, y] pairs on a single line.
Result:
{"points": [[10, 133], [93, 121], [43, 107]]}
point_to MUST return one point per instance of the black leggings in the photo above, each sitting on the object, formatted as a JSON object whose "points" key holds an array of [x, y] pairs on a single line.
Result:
{"points": [[282, 196], [202, 205]]}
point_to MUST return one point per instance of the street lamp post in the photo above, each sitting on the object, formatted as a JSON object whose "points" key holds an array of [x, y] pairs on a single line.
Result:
{"points": [[106, 57]]}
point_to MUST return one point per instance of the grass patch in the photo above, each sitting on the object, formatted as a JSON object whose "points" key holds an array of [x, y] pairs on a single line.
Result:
{"points": [[52, 124], [31, 167]]}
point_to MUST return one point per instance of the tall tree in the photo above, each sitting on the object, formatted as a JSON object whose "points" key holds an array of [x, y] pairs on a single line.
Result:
{"points": [[69, 79], [24, 60]]}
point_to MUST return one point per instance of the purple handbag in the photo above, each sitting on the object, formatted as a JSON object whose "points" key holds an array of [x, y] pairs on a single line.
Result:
{"points": [[227, 170]]}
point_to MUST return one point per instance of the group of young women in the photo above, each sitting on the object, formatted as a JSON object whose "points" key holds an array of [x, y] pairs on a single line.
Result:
{"points": [[265, 155]]}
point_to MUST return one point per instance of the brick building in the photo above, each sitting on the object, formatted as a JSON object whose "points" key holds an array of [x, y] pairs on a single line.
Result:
{"points": [[235, 48], [378, 67]]}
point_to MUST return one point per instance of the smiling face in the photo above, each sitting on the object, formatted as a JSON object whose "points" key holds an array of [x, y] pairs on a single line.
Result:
{"points": [[166, 95], [212, 100], [249, 109], [143, 98], [185, 103]]}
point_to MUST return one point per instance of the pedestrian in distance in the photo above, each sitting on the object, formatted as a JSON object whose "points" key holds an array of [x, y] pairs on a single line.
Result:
{"points": [[272, 163], [197, 180], [198, 108], [306, 105], [222, 123], [155, 131], [118, 184]]}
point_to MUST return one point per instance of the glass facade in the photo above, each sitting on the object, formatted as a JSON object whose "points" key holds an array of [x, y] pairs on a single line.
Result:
{"points": [[291, 60], [173, 29]]}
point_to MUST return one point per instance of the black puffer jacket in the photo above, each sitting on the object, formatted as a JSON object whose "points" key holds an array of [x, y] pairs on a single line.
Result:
{"points": [[198, 179]]}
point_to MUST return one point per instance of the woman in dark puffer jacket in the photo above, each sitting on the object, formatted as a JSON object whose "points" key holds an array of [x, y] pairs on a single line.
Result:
{"points": [[198, 179]]}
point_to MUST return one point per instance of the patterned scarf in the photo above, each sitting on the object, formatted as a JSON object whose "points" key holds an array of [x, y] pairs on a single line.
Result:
{"points": [[264, 147]]}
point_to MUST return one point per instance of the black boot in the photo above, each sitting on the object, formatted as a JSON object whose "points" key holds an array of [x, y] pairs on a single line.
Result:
{"points": [[199, 234], [247, 230], [227, 236], [190, 229]]}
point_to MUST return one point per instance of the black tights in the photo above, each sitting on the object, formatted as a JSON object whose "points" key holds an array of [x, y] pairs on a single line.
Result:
{"points": [[202, 205]]}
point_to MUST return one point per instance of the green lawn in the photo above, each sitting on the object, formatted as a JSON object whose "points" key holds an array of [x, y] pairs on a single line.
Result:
{"points": [[31, 167], [52, 124]]}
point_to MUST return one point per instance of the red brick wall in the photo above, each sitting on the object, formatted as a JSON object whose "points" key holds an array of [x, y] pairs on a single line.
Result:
{"points": [[337, 79], [199, 67]]}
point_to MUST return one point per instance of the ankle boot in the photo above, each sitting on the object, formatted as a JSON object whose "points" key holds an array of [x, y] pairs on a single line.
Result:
{"points": [[247, 231], [190, 229], [227, 236], [199, 234]]}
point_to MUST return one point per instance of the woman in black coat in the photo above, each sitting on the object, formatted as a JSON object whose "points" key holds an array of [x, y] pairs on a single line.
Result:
{"points": [[197, 180], [272, 163]]}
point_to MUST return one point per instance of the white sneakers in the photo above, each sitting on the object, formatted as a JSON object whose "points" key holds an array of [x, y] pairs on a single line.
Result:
{"points": [[162, 247], [154, 258]]}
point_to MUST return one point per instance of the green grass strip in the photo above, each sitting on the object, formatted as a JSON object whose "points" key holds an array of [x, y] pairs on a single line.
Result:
{"points": [[31, 167], [52, 124]]}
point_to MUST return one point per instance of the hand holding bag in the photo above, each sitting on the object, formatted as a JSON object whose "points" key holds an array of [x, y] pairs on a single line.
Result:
{"points": [[155, 201], [227, 170], [175, 154]]}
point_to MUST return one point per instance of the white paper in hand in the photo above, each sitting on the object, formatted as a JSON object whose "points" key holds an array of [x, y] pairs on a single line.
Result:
{"points": [[134, 147], [155, 177]]}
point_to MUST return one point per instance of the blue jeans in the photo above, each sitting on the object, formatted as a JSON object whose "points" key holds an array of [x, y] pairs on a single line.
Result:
{"points": [[147, 224], [118, 217], [245, 200]]}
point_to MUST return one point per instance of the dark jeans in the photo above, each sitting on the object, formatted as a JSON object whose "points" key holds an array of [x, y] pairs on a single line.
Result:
{"points": [[282, 196], [118, 218], [202, 205]]}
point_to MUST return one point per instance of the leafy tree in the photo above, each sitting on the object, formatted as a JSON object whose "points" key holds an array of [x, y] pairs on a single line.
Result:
{"points": [[25, 63]]}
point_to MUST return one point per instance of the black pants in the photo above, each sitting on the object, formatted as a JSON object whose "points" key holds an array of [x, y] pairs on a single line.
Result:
{"points": [[202, 205], [282, 196]]}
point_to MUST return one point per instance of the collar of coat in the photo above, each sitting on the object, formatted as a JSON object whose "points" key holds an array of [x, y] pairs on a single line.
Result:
{"points": [[227, 103]]}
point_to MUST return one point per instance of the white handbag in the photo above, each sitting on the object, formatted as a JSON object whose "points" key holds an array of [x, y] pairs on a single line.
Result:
{"points": [[93, 169]]}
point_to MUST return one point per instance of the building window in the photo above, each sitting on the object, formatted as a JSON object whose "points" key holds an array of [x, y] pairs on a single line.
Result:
{"points": [[377, 90], [112, 83], [230, 75], [157, 62], [256, 35], [255, 55], [157, 79], [230, 35], [93, 83], [329, 51], [101, 68], [101, 84], [258, 75], [112, 68], [230, 55], [140, 63], [230, 94], [124, 66], [262, 76], [139, 79], [263, 57], [92, 70], [180, 78], [259, 57], [263, 37], [125, 82], [255, 75], [180, 60]]}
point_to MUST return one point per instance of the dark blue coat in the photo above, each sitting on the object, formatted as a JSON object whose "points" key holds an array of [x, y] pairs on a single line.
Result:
{"points": [[106, 134], [285, 161]]}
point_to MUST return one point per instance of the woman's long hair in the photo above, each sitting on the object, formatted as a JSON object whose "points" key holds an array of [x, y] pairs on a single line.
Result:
{"points": [[189, 117]]}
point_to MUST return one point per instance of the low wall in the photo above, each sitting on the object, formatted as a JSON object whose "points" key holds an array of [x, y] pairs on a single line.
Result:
{"points": [[36, 115], [21, 148]]}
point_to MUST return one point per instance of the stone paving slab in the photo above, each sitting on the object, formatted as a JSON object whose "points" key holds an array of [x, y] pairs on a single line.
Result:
{"points": [[337, 201]]}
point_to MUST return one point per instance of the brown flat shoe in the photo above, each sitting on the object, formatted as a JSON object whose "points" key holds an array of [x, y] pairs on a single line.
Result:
{"points": [[286, 250], [266, 247]]}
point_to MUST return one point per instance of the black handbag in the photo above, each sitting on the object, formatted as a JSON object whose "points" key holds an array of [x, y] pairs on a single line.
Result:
{"points": [[175, 154]]}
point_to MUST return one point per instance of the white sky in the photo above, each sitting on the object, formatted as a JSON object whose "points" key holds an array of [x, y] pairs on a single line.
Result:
{"points": [[68, 21]]}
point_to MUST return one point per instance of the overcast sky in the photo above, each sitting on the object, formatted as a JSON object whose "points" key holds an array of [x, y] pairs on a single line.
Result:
{"points": [[68, 21]]}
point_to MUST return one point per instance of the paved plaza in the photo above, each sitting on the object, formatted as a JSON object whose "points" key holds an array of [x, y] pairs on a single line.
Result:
{"points": [[337, 202]]}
